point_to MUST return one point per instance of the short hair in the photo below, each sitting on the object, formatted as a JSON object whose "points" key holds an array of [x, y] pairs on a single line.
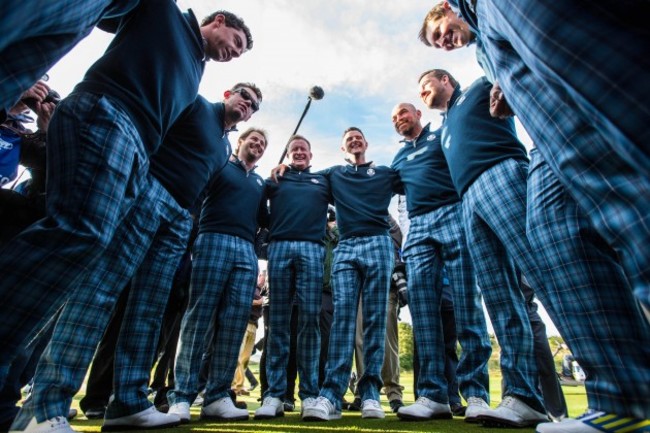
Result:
{"points": [[232, 21], [297, 137], [354, 128], [248, 132], [251, 86], [436, 13], [439, 73]]}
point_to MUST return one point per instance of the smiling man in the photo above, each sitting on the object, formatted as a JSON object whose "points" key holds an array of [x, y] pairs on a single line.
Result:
{"points": [[223, 281], [363, 263], [298, 211]]}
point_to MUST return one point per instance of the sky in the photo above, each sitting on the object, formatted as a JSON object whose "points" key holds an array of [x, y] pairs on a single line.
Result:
{"points": [[365, 55]]}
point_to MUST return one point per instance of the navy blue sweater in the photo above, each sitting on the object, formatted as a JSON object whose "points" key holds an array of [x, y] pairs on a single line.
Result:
{"points": [[361, 195], [298, 206], [424, 172], [152, 68], [232, 205], [195, 148], [474, 141]]}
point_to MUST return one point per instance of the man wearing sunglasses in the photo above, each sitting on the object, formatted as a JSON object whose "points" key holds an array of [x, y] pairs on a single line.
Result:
{"points": [[99, 144], [153, 236]]}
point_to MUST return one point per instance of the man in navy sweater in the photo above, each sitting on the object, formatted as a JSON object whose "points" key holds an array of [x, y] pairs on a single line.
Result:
{"points": [[99, 142], [436, 239], [153, 234], [588, 185], [298, 211], [488, 167], [363, 263], [224, 274]]}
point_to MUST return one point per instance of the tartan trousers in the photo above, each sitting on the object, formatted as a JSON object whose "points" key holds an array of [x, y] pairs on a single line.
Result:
{"points": [[295, 278], [37, 33], [224, 275], [97, 167], [436, 240], [362, 268], [494, 214], [567, 70], [62, 368], [589, 299]]}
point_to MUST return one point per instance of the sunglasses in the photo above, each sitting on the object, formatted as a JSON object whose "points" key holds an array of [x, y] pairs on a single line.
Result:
{"points": [[247, 97]]}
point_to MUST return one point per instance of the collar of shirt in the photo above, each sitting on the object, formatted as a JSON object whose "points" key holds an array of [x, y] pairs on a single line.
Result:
{"points": [[425, 130]]}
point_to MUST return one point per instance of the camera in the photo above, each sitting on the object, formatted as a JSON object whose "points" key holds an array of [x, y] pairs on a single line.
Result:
{"points": [[331, 214], [399, 281], [52, 96]]}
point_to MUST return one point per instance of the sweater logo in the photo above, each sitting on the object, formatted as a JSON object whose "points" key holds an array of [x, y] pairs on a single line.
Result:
{"points": [[314, 181], [431, 137], [418, 152], [371, 172], [259, 182]]}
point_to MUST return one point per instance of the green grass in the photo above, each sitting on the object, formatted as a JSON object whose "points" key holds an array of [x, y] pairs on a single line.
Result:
{"points": [[351, 422]]}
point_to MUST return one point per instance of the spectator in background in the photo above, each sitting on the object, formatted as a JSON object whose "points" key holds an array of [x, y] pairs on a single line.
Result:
{"points": [[248, 343], [24, 203]]}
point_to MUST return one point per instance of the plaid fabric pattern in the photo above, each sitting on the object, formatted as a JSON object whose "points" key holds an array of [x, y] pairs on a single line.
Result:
{"points": [[571, 86], [362, 267], [437, 239], [494, 213], [589, 299], [150, 288], [35, 34], [224, 275], [62, 368], [96, 167], [295, 277]]}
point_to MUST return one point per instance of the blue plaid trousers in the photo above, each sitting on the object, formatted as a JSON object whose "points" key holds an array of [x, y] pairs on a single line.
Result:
{"points": [[37, 33], [224, 274], [295, 277], [62, 368], [151, 285], [437, 239], [494, 214], [571, 86], [362, 267], [97, 166], [589, 299]]}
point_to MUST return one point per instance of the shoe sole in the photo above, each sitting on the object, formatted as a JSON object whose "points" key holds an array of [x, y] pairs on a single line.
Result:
{"points": [[473, 420], [263, 417], [489, 421], [373, 415], [220, 418], [315, 418], [407, 417], [128, 427]]}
